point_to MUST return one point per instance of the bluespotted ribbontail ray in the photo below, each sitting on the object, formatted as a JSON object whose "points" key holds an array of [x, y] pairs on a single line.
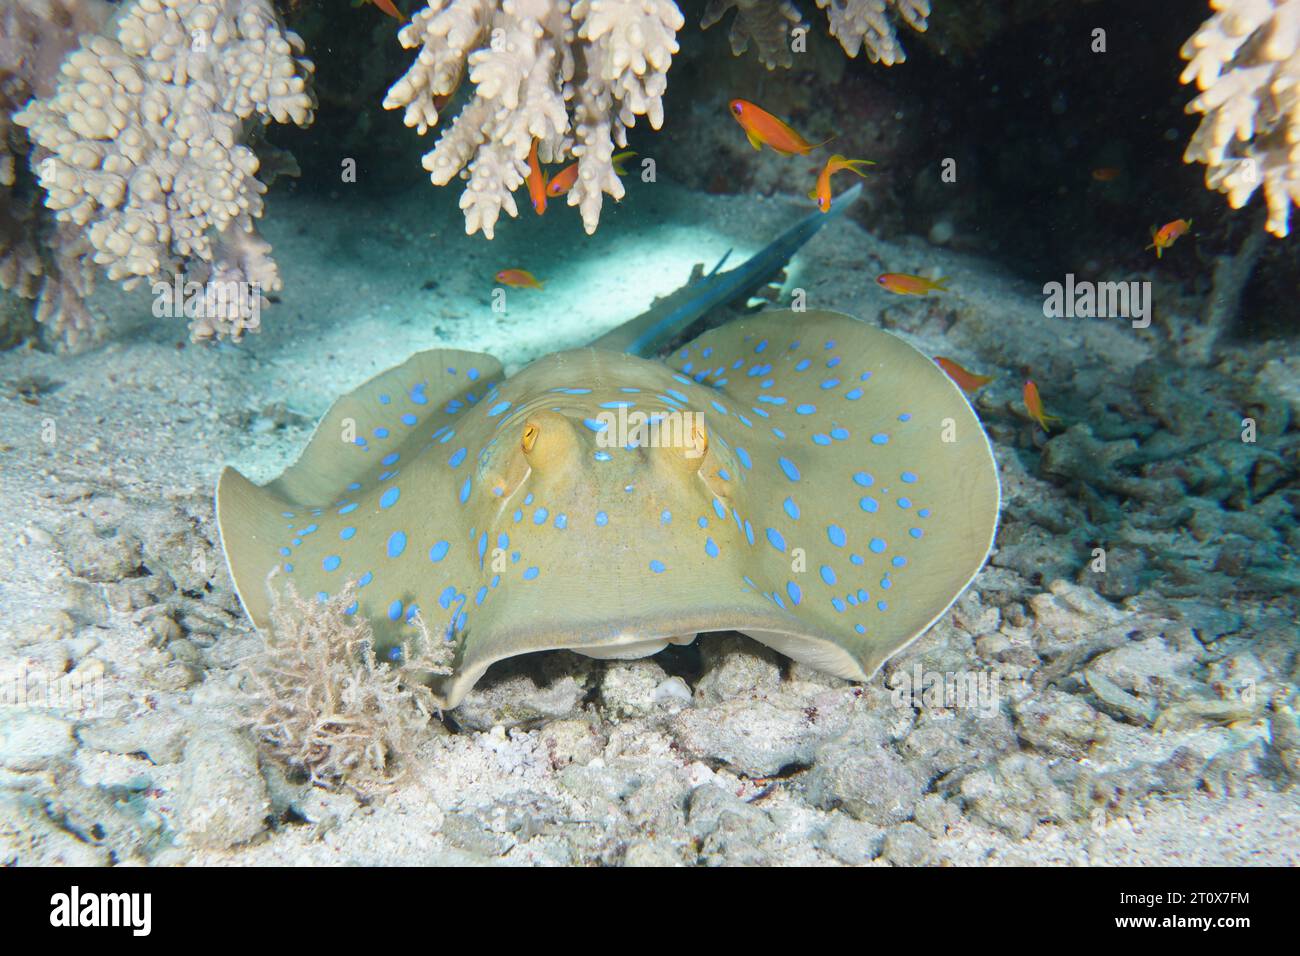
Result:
{"points": [[803, 478]]}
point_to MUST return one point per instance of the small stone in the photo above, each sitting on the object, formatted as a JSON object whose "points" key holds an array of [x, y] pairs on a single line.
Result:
{"points": [[29, 838], [654, 853], [935, 815], [673, 694], [868, 782], [729, 830], [571, 742], [31, 740], [628, 688], [84, 643], [101, 559], [736, 667], [160, 737], [187, 652], [466, 831], [908, 845], [1284, 732], [753, 737], [46, 661], [1201, 712], [1118, 702], [1014, 795], [223, 800], [1232, 772], [850, 841], [1059, 723]]}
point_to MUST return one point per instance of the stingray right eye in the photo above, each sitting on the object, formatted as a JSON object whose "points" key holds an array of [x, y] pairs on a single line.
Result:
{"points": [[530, 437]]}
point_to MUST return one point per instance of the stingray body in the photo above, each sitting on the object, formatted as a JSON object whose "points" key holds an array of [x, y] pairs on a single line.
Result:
{"points": [[803, 478]]}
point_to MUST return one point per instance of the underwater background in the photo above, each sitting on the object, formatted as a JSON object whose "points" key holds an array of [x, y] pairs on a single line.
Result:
{"points": [[1130, 642]]}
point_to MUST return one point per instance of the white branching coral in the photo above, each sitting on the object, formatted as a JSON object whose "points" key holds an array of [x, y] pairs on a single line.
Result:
{"points": [[864, 24], [1246, 61], [766, 23], [142, 141], [574, 76], [857, 24]]}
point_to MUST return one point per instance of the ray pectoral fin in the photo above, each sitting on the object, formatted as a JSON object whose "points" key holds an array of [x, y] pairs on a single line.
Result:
{"points": [[862, 521], [429, 387], [250, 522]]}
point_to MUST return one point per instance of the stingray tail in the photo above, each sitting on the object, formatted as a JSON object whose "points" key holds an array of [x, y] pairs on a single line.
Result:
{"points": [[650, 332]]}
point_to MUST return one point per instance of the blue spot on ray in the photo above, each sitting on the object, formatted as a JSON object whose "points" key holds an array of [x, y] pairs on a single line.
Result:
{"points": [[396, 543]]}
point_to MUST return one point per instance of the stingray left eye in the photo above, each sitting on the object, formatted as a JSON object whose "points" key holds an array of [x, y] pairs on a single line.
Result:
{"points": [[699, 438], [530, 437]]}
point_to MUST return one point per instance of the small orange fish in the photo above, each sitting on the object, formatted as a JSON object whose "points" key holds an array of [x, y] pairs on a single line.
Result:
{"points": [[900, 283], [563, 181], [763, 128], [1107, 174], [390, 8], [518, 279], [822, 191], [1167, 235], [968, 382], [536, 180], [1034, 405]]}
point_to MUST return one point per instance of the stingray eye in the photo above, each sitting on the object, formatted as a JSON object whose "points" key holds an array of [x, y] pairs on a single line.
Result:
{"points": [[530, 437], [699, 439]]}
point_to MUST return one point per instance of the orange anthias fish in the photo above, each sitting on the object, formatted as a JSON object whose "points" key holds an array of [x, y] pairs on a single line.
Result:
{"points": [[518, 279], [967, 381], [822, 191], [536, 180], [1034, 404], [389, 8], [1167, 235], [763, 128], [1107, 174], [900, 283], [563, 181]]}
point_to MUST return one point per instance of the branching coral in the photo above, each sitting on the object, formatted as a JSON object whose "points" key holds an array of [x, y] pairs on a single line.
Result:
{"points": [[860, 24], [1246, 61], [37, 260], [326, 705], [142, 141], [573, 76], [766, 23], [857, 24]]}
